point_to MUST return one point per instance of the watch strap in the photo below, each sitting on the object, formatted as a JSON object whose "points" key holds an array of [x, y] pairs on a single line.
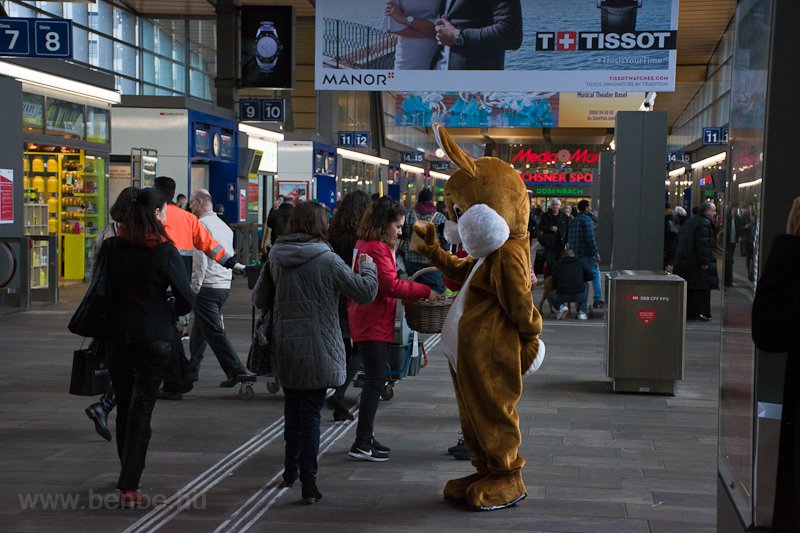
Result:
{"points": [[618, 19]]}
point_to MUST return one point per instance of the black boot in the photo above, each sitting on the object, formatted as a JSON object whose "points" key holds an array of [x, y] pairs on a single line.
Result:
{"points": [[310, 492], [98, 412]]}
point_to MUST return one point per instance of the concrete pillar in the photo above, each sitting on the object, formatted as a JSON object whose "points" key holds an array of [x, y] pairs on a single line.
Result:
{"points": [[638, 190], [227, 52], [602, 190]]}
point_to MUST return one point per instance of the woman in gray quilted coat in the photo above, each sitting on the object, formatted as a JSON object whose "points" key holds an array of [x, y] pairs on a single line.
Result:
{"points": [[306, 278]]}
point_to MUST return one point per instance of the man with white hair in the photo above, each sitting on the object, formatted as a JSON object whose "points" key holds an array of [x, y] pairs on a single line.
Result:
{"points": [[553, 234], [212, 285]]}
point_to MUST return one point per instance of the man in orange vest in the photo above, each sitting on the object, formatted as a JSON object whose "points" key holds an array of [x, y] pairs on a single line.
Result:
{"points": [[187, 233]]}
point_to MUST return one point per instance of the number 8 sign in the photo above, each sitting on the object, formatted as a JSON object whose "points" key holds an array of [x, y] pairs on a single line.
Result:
{"points": [[53, 38]]}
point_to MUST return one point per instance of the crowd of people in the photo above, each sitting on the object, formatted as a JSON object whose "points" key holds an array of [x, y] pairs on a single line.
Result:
{"points": [[331, 287], [557, 231]]}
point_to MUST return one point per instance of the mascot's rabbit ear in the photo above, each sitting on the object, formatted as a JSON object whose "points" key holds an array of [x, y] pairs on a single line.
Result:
{"points": [[453, 151]]}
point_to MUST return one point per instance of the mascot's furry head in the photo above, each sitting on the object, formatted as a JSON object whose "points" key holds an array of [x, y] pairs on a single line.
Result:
{"points": [[485, 197]]}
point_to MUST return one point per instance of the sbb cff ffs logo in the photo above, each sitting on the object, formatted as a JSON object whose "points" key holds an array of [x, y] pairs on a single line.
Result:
{"points": [[571, 41]]}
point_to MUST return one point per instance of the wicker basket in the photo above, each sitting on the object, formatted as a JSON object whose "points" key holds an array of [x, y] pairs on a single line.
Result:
{"points": [[426, 316]]}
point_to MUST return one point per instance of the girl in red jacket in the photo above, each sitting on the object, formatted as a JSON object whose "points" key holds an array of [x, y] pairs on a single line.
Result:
{"points": [[372, 324]]}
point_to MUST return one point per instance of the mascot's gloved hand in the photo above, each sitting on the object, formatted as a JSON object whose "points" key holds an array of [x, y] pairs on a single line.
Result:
{"points": [[423, 241]]}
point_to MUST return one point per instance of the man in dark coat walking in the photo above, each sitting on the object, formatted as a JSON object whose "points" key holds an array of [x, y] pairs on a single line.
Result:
{"points": [[553, 234], [696, 262], [775, 310], [278, 218]]}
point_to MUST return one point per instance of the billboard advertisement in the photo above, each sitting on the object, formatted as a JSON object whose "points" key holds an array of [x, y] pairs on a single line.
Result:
{"points": [[587, 109], [497, 45], [267, 46]]}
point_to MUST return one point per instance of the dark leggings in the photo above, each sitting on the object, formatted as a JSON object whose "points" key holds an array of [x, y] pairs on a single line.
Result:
{"points": [[375, 356]]}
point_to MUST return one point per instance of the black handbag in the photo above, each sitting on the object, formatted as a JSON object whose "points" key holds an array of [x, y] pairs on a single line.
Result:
{"points": [[89, 319], [90, 375], [259, 358]]}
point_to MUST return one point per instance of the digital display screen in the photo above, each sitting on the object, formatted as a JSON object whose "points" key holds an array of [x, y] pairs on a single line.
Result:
{"points": [[202, 141]]}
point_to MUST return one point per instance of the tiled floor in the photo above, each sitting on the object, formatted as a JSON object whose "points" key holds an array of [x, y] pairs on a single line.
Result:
{"points": [[596, 460]]}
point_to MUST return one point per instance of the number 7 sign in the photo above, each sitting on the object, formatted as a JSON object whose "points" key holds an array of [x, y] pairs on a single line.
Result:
{"points": [[29, 37]]}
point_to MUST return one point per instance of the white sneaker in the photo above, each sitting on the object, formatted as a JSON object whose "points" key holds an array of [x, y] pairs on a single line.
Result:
{"points": [[582, 315], [562, 312]]}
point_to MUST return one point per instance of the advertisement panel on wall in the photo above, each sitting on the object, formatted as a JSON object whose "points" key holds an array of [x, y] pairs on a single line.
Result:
{"points": [[535, 45], [495, 109], [267, 46]]}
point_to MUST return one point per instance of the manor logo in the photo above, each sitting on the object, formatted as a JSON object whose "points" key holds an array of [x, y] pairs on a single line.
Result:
{"points": [[364, 80]]}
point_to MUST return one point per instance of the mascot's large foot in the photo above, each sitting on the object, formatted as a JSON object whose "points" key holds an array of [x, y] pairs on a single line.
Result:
{"points": [[496, 491], [456, 489]]}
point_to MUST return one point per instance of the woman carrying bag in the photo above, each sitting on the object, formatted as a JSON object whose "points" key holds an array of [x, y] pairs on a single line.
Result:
{"points": [[141, 263], [306, 278]]}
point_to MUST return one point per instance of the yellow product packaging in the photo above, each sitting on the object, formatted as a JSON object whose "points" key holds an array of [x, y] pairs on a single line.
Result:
{"points": [[37, 165], [38, 183]]}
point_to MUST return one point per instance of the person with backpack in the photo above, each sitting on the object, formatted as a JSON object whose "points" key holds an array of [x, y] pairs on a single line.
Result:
{"points": [[424, 209]]}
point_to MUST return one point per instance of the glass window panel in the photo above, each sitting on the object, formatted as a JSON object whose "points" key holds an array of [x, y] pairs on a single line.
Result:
{"points": [[80, 45], [125, 60], [148, 35], [125, 26], [148, 68], [77, 13], [101, 51], [101, 18], [19, 10], [53, 8], [148, 90], [199, 85], [125, 85], [179, 77], [32, 113], [164, 43], [64, 118], [97, 122]]}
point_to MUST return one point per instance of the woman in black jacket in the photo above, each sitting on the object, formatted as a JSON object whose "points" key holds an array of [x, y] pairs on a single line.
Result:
{"points": [[696, 262], [343, 236], [141, 263], [775, 310]]}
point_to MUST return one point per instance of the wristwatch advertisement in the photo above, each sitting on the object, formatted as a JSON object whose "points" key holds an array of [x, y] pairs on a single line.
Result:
{"points": [[267, 46]]}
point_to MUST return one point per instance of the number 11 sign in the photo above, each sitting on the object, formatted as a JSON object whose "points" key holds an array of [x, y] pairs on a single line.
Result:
{"points": [[29, 37]]}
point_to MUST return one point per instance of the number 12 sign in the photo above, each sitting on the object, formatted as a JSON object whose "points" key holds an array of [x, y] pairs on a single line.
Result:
{"points": [[28, 37]]}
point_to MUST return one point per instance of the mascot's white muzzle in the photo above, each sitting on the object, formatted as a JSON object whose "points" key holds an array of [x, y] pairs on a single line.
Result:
{"points": [[482, 230], [451, 232]]}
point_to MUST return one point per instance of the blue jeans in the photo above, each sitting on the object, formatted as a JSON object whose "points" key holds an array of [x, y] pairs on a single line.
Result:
{"points": [[301, 410], [431, 279], [556, 299], [597, 292]]}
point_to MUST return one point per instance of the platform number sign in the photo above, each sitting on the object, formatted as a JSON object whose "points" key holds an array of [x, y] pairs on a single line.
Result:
{"points": [[354, 139], [715, 136], [28, 37], [262, 110]]}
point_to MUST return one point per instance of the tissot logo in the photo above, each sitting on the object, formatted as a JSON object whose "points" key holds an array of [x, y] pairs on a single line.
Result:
{"points": [[578, 156], [356, 79], [569, 41]]}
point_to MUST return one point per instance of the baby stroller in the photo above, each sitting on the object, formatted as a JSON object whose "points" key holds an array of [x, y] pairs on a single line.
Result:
{"points": [[258, 358]]}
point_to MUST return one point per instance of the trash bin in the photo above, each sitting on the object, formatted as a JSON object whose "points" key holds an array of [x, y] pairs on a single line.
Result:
{"points": [[646, 324]]}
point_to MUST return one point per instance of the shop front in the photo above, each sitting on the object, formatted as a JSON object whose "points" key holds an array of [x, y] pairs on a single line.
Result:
{"points": [[358, 171], [66, 147], [258, 167], [565, 172]]}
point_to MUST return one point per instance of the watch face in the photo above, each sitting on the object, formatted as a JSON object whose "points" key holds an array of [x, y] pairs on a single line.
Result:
{"points": [[267, 46], [215, 144]]}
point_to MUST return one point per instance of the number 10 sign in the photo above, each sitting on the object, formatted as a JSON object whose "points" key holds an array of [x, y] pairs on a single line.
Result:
{"points": [[27, 37]]}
